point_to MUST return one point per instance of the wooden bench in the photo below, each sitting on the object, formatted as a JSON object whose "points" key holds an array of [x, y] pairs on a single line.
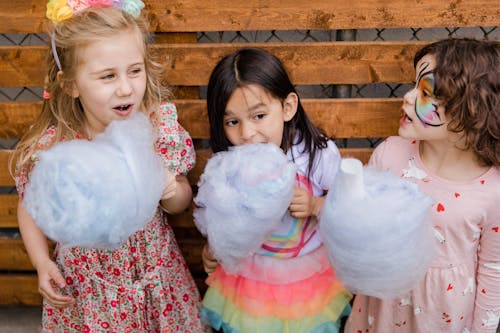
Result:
{"points": [[189, 63]]}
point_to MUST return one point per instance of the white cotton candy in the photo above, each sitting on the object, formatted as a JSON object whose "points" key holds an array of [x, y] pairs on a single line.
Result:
{"points": [[242, 197], [97, 193], [377, 231]]}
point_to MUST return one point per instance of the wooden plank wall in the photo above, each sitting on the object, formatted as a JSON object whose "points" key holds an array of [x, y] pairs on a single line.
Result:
{"points": [[188, 66]]}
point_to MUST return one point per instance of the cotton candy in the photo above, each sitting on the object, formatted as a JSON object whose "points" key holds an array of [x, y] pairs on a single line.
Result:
{"points": [[242, 195], [377, 231], [97, 193]]}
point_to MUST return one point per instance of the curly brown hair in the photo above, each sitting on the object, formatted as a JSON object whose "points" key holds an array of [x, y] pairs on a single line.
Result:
{"points": [[467, 79]]}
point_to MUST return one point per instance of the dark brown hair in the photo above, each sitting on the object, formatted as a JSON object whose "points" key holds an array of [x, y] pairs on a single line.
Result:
{"points": [[256, 66], [467, 79]]}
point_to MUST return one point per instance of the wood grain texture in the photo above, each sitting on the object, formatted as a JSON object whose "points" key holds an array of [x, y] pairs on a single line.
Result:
{"points": [[19, 289], [342, 118], [15, 119], [13, 255], [189, 64], [216, 15], [8, 210]]}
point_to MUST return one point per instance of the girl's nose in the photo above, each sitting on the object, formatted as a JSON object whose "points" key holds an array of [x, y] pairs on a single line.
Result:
{"points": [[247, 132], [410, 96], [124, 87]]}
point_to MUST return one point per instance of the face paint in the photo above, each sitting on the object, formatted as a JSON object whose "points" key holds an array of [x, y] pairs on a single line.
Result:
{"points": [[426, 104]]}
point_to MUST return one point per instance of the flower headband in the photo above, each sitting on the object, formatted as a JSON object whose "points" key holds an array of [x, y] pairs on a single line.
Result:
{"points": [[60, 10]]}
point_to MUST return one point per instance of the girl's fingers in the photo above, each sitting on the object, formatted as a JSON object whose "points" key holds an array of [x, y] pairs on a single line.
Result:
{"points": [[170, 186], [54, 298], [57, 277], [209, 262], [47, 290]]}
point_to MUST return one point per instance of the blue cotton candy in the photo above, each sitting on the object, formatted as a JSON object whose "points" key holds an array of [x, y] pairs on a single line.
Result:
{"points": [[242, 196], [97, 193], [377, 231]]}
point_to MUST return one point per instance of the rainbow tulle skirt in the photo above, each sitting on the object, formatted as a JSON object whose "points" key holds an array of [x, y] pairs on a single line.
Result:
{"points": [[269, 294]]}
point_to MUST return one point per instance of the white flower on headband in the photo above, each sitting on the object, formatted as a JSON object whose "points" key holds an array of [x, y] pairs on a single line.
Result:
{"points": [[60, 10]]}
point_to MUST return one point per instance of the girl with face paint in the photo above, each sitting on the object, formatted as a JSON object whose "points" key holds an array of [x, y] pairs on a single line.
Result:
{"points": [[448, 145]]}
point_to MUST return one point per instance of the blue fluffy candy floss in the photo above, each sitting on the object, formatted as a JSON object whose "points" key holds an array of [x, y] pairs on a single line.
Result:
{"points": [[97, 193], [243, 195], [377, 231]]}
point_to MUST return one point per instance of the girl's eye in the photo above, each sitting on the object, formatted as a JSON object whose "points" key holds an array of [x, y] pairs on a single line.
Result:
{"points": [[108, 77], [259, 116], [136, 71], [231, 122]]}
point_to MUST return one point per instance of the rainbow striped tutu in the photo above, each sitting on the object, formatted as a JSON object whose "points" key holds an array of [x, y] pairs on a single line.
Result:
{"points": [[269, 294]]}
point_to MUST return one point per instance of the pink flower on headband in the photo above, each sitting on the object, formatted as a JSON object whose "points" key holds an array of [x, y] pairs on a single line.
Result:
{"points": [[100, 3], [77, 5], [60, 10]]}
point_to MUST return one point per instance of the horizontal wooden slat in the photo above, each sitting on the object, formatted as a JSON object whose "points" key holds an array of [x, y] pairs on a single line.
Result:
{"points": [[20, 289], [13, 255], [307, 63], [8, 210], [343, 118], [5, 178], [218, 15], [16, 117]]}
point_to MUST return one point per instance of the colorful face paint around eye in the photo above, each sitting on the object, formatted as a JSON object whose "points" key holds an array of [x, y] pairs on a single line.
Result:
{"points": [[426, 105]]}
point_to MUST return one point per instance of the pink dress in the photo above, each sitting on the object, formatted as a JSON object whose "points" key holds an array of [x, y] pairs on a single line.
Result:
{"points": [[144, 285], [460, 292]]}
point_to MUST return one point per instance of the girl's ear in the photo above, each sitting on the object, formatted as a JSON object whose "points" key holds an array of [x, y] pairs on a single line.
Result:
{"points": [[69, 89], [290, 105]]}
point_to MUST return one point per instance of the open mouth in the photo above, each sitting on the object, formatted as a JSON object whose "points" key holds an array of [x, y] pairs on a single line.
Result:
{"points": [[405, 118], [123, 109]]}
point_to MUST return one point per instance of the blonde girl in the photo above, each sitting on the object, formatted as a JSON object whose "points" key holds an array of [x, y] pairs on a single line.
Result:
{"points": [[100, 69]]}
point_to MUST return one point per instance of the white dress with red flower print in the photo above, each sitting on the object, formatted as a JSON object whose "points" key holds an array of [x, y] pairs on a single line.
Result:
{"points": [[143, 286], [460, 292]]}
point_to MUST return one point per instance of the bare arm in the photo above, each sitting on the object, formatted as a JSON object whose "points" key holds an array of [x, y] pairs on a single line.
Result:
{"points": [[487, 302], [38, 251], [177, 195]]}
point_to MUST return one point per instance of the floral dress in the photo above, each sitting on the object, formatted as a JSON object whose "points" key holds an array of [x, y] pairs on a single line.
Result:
{"points": [[145, 284]]}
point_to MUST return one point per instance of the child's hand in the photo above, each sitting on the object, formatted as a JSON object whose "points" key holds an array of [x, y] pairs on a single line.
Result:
{"points": [[303, 204], [170, 186], [209, 262], [48, 273]]}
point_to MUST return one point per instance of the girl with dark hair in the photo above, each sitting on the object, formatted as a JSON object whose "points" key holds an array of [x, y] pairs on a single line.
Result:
{"points": [[288, 285], [448, 145]]}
